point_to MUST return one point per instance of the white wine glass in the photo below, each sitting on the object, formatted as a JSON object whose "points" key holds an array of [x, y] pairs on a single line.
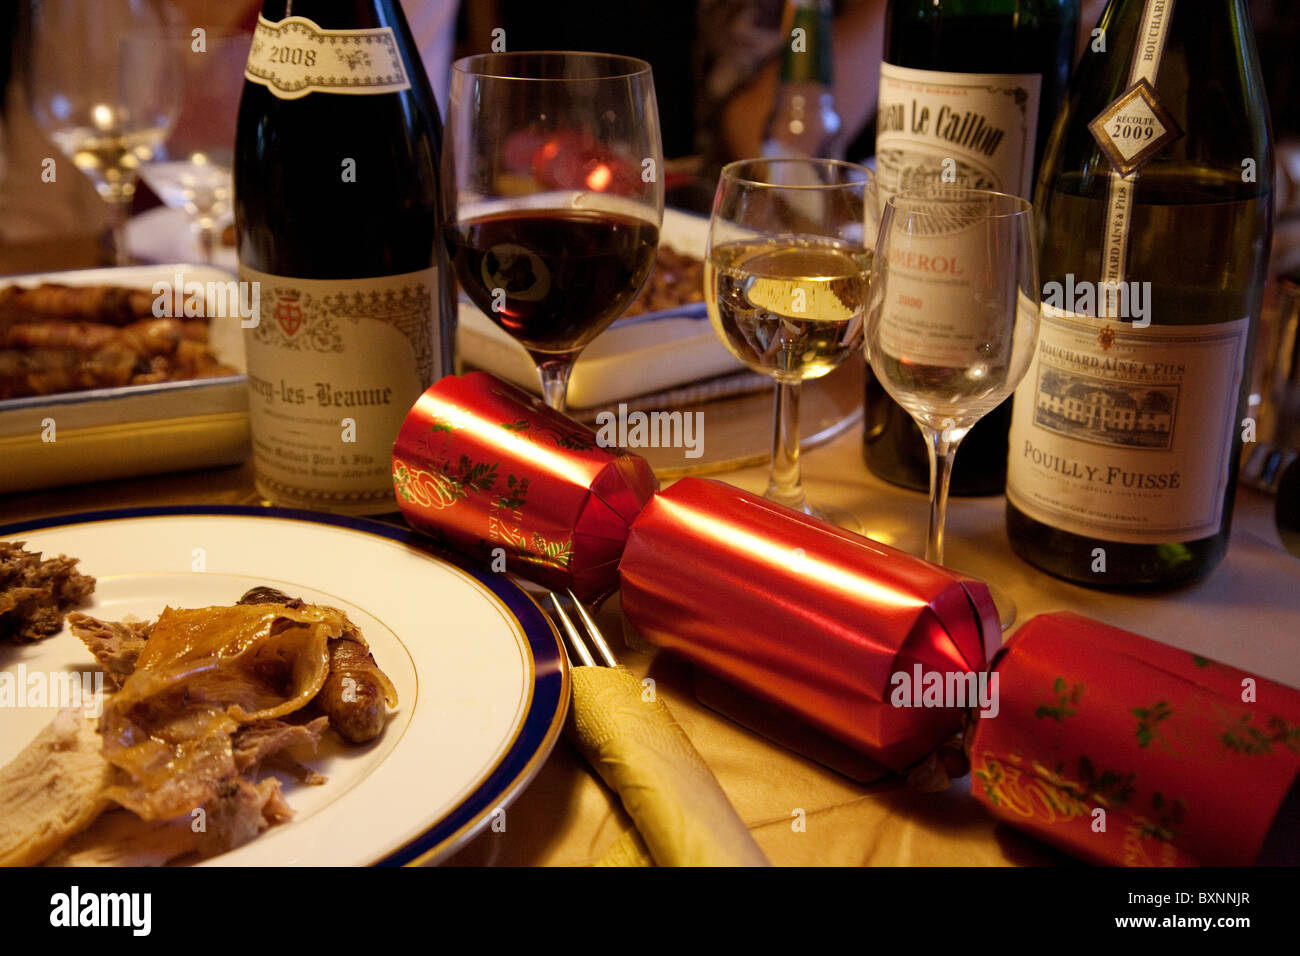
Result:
{"points": [[105, 113], [954, 319], [786, 281], [190, 171]]}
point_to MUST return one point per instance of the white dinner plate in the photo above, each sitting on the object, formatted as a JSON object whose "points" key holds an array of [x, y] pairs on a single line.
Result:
{"points": [[482, 682]]}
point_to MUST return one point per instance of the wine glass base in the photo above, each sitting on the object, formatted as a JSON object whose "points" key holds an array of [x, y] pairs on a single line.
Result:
{"points": [[1002, 601], [836, 516], [1006, 606]]}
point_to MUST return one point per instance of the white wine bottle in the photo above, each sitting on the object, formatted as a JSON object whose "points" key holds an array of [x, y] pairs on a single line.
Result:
{"points": [[1154, 208], [338, 223]]}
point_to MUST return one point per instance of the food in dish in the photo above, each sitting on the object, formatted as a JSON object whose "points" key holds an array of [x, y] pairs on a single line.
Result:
{"points": [[35, 593], [677, 280], [205, 703], [58, 338]]}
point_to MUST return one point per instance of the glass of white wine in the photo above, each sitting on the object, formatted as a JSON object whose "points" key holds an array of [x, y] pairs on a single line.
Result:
{"points": [[786, 281], [191, 170], [107, 114], [953, 320]]}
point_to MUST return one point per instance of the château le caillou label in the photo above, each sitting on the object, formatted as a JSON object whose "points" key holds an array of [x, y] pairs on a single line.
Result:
{"points": [[967, 93], [337, 215], [1154, 209]]}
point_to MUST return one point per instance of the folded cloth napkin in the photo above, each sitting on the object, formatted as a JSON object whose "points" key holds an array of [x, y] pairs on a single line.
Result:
{"points": [[641, 752]]}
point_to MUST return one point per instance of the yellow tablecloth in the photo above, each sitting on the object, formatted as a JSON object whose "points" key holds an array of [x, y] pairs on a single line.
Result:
{"points": [[1246, 614]]}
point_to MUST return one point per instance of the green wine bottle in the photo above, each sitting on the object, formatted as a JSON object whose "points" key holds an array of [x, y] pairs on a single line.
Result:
{"points": [[1154, 209], [804, 121], [968, 91]]}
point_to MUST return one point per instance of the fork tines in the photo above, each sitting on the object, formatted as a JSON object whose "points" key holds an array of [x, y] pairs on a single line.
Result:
{"points": [[586, 645]]}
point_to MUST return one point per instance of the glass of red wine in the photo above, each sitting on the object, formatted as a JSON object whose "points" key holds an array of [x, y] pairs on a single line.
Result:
{"points": [[553, 188]]}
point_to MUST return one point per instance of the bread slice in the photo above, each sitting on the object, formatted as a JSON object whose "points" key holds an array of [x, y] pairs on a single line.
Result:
{"points": [[55, 788]]}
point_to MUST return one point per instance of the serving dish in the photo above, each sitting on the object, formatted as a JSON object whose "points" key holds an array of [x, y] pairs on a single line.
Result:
{"points": [[73, 437]]}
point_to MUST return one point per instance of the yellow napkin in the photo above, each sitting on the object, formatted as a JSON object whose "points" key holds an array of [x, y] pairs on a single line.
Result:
{"points": [[671, 795]]}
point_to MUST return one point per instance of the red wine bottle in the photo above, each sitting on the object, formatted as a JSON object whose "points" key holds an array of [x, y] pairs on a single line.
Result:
{"points": [[968, 92], [338, 221]]}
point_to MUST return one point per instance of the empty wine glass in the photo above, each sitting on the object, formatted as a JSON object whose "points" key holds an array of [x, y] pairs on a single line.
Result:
{"points": [[191, 170], [106, 113], [786, 280], [954, 319], [553, 181]]}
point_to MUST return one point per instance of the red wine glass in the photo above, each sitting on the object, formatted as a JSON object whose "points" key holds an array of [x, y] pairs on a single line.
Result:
{"points": [[553, 189]]}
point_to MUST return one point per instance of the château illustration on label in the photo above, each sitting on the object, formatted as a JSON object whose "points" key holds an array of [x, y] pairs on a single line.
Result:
{"points": [[967, 93], [337, 216], [1154, 204]]}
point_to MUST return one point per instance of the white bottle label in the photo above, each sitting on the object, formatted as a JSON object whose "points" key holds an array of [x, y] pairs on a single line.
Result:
{"points": [[974, 129], [333, 368], [295, 57], [1125, 434]]}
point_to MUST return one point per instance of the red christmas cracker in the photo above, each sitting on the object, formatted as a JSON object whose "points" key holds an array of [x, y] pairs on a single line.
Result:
{"points": [[1122, 750], [806, 615], [492, 470]]}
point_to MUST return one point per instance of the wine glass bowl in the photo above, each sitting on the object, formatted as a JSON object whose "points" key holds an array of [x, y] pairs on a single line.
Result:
{"points": [[552, 179], [105, 111], [954, 315], [191, 170], [787, 277]]}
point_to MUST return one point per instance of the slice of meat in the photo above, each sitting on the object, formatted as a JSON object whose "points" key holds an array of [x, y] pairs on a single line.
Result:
{"points": [[35, 593], [269, 739], [230, 819], [240, 811], [120, 838], [53, 789], [115, 644]]}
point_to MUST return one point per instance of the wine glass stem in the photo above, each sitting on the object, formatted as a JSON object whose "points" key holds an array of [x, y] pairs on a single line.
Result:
{"points": [[555, 380], [119, 209], [784, 486], [942, 451], [207, 231]]}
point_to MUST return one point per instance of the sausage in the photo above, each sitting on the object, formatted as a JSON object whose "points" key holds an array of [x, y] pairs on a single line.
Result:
{"points": [[352, 698], [356, 692]]}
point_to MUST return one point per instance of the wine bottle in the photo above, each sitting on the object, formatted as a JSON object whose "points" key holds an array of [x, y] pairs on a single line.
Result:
{"points": [[804, 122], [338, 223], [968, 91], [1154, 208]]}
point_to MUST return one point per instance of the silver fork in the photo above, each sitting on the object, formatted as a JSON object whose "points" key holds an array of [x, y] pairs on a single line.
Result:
{"points": [[628, 751], [583, 649]]}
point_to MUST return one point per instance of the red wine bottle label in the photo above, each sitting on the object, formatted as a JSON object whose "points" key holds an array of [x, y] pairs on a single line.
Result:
{"points": [[333, 368], [973, 129], [1124, 434], [929, 318], [295, 57]]}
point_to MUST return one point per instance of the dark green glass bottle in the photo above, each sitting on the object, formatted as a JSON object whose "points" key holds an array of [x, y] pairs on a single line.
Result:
{"points": [[804, 121], [1127, 429], [956, 74]]}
